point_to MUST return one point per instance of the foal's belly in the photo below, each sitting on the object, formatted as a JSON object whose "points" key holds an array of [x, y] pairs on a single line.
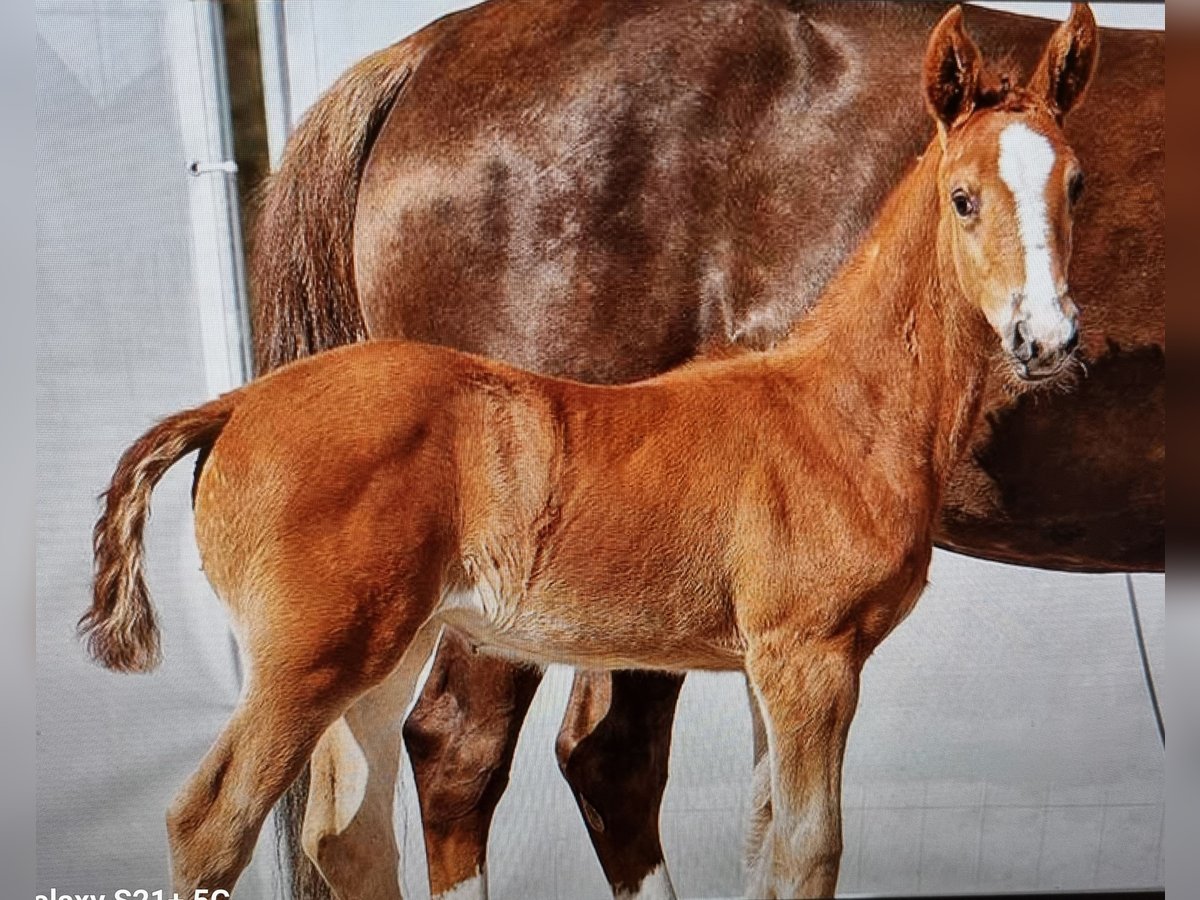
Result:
{"points": [[594, 633]]}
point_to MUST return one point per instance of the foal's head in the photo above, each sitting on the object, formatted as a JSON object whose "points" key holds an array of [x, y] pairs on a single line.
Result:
{"points": [[1008, 185]]}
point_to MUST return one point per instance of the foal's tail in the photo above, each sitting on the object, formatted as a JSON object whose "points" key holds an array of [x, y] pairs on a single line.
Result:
{"points": [[120, 628], [302, 262]]}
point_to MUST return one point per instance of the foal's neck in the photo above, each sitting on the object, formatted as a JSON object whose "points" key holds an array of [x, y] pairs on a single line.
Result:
{"points": [[902, 354]]}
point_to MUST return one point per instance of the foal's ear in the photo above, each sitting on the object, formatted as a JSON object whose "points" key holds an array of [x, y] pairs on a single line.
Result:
{"points": [[1069, 60], [951, 71]]}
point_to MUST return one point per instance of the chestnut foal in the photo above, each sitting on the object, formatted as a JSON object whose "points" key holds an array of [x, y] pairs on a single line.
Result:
{"points": [[768, 511]]}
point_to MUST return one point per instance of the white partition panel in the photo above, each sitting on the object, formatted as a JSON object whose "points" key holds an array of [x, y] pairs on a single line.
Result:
{"points": [[324, 39], [139, 313]]}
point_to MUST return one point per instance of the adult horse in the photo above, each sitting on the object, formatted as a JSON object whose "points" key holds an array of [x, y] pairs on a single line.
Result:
{"points": [[599, 189]]}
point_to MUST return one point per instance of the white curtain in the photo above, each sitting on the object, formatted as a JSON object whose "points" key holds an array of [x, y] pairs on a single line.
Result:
{"points": [[138, 315]]}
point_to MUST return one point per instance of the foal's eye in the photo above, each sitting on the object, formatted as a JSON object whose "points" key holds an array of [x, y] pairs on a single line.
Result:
{"points": [[1075, 188], [964, 204]]}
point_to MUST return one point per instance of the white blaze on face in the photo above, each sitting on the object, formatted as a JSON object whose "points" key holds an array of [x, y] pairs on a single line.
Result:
{"points": [[1026, 161]]}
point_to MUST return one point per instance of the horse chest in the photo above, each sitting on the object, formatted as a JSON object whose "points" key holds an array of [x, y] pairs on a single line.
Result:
{"points": [[877, 611]]}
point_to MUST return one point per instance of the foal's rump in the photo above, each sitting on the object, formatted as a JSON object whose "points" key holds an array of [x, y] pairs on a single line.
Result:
{"points": [[335, 477], [355, 479]]}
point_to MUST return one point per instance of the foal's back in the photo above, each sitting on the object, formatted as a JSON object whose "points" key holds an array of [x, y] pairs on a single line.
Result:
{"points": [[363, 446]]}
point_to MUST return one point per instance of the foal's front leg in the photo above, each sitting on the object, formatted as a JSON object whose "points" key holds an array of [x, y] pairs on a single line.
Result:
{"points": [[807, 691]]}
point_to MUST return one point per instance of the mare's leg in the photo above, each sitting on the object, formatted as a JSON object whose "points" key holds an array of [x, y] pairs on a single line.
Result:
{"points": [[614, 749], [349, 830], [760, 791], [300, 683], [808, 691], [460, 737], [757, 725]]}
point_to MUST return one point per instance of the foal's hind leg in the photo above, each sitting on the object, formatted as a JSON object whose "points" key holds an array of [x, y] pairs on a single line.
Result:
{"points": [[349, 831], [301, 682], [214, 821]]}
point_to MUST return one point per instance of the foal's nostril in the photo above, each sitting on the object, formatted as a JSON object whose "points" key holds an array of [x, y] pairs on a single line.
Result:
{"points": [[1072, 341], [1024, 349]]}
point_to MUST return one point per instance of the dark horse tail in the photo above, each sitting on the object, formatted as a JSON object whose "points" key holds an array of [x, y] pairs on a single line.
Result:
{"points": [[302, 260], [121, 629], [302, 279]]}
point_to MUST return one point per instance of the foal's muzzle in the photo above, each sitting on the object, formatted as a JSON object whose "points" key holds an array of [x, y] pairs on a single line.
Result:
{"points": [[1037, 358]]}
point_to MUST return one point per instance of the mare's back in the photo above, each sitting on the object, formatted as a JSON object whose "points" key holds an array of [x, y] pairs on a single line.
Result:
{"points": [[599, 189]]}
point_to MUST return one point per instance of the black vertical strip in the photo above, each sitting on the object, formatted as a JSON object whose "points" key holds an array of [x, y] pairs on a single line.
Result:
{"points": [[1141, 643], [247, 109]]}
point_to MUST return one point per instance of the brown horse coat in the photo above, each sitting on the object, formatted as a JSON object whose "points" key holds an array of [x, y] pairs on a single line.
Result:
{"points": [[726, 155], [770, 511]]}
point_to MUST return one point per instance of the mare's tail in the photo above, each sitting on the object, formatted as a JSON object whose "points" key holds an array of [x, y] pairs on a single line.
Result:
{"points": [[302, 254], [302, 279], [120, 629]]}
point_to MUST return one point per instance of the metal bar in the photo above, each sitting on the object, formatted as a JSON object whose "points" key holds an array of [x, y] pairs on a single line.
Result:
{"points": [[277, 86], [1146, 673]]}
